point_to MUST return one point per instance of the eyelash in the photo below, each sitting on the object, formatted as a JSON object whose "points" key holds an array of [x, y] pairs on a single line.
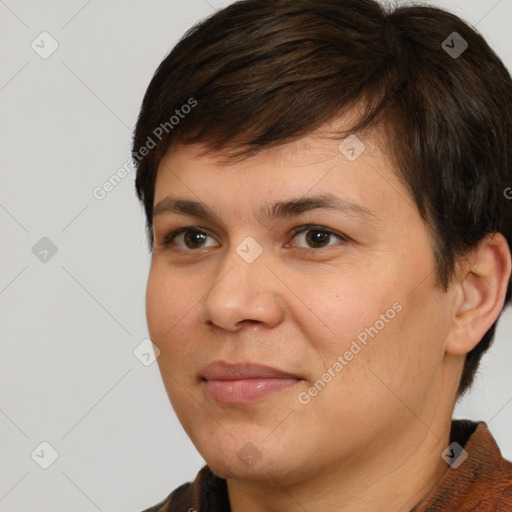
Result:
{"points": [[297, 231]]}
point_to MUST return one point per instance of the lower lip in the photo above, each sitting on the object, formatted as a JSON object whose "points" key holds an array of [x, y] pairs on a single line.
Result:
{"points": [[245, 390]]}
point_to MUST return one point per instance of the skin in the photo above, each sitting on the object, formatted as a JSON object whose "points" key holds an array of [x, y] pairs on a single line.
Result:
{"points": [[372, 438]]}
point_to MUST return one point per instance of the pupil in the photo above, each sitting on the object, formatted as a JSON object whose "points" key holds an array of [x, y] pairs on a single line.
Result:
{"points": [[319, 237], [199, 237]]}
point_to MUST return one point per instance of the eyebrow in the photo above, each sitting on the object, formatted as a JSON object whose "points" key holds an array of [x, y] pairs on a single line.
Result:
{"points": [[272, 212]]}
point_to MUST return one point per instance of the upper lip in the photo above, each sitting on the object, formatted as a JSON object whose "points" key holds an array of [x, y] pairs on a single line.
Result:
{"points": [[222, 370]]}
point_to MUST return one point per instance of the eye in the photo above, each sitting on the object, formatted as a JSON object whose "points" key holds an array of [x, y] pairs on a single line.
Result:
{"points": [[193, 239], [318, 236]]}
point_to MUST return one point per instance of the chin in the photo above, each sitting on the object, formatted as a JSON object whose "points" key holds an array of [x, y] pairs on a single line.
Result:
{"points": [[236, 469], [249, 460]]}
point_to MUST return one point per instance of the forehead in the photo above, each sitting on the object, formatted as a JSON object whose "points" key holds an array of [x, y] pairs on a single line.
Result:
{"points": [[354, 172], [301, 150]]}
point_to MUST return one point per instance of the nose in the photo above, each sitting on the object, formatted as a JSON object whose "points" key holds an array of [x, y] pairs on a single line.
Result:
{"points": [[242, 293]]}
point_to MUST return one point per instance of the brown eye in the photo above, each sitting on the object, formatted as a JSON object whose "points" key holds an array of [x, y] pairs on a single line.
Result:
{"points": [[317, 237], [192, 238]]}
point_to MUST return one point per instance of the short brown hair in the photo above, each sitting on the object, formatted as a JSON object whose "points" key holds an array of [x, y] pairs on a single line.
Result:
{"points": [[262, 72]]}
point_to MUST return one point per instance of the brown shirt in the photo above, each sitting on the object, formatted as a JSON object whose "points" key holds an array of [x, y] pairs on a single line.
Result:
{"points": [[482, 483]]}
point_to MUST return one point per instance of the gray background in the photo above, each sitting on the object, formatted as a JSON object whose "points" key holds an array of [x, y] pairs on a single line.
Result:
{"points": [[70, 324]]}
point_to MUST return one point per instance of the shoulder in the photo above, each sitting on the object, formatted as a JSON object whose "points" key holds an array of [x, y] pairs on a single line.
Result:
{"points": [[504, 500], [179, 500], [495, 471], [206, 492], [503, 487]]}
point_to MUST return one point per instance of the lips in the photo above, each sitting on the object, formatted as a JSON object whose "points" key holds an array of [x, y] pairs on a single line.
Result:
{"points": [[221, 370], [244, 382]]}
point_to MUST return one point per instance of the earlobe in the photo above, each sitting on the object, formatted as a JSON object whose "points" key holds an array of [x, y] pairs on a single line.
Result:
{"points": [[482, 285]]}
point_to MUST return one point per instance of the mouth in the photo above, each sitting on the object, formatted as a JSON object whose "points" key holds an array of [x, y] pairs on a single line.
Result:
{"points": [[241, 383]]}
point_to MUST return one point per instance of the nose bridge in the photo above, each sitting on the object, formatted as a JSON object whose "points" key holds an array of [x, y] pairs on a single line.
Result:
{"points": [[245, 263], [243, 289]]}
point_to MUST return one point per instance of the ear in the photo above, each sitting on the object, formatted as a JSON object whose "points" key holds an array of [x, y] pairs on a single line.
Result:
{"points": [[481, 283]]}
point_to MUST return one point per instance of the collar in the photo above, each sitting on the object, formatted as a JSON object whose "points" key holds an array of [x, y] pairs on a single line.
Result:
{"points": [[482, 482]]}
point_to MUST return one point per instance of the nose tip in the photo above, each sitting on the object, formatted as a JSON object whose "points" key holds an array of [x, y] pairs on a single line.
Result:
{"points": [[244, 296]]}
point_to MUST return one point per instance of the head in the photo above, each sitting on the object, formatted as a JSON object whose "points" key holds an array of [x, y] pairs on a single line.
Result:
{"points": [[267, 101]]}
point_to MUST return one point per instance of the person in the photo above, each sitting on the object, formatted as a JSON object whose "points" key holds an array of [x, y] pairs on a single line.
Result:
{"points": [[325, 187]]}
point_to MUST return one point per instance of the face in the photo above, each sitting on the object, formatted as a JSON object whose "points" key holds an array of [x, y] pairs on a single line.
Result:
{"points": [[340, 299]]}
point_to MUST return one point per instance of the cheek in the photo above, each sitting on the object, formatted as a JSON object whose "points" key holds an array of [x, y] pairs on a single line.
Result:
{"points": [[373, 363], [172, 318], [349, 309], [158, 306], [372, 326], [166, 312], [166, 303], [164, 309]]}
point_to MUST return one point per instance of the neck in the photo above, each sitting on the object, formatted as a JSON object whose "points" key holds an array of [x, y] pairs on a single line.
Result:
{"points": [[389, 476]]}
